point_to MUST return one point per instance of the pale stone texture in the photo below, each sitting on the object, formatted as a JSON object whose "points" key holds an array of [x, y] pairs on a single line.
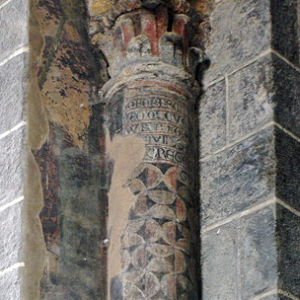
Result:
{"points": [[12, 87], [258, 253], [13, 36], [219, 263], [212, 119], [13, 27], [11, 166], [10, 285], [251, 94], [241, 30], [10, 236], [237, 178]]}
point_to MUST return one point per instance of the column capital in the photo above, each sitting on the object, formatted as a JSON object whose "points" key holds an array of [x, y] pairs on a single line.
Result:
{"points": [[138, 33]]}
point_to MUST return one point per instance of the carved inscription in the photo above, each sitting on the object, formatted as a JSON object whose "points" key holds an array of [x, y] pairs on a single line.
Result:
{"points": [[162, 118]]}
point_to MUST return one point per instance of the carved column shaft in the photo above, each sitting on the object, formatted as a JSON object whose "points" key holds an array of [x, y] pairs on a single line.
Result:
{"points": [[151, 99]]}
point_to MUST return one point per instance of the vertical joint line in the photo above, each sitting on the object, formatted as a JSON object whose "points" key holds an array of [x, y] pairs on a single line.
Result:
{"points": [[227, 108]]}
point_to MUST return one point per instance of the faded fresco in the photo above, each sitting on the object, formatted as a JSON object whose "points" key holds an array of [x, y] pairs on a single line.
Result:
{"points": [[154, 55], [71, 159], [119, 82]]}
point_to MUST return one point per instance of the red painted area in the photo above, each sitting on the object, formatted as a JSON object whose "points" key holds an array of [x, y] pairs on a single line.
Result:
{"points": [[179, 25], [162, 20], [148, 22], [128, 32]]}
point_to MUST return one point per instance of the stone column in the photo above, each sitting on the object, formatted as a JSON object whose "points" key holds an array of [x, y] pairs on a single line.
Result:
{"points": [[151, 138]]}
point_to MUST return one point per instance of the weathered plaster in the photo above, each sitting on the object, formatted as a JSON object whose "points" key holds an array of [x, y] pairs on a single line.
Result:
{"points": [[62, 73], [127, 153], [34, 247]]}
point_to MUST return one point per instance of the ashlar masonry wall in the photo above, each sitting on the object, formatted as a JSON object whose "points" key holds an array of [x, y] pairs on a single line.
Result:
{"points": [[249, 141], [249, 119]]}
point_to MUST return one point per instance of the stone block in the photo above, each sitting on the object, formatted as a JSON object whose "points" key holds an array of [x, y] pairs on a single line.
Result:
{"points": [[12, 78], [10, 236], [241, 30], [257, 244], [212, 119], [288, 233], [219, 263], [238, 177], [250, 98], [10, 285], [13, 27], [288, 169], [285, 30], [11, 166], [287, 109]]}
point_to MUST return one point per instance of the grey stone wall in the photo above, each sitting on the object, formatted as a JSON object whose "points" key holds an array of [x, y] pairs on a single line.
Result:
{"points": [[249, 144], [13, 61]]}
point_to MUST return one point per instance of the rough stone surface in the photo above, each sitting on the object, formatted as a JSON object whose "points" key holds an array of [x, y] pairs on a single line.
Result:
{"points": [[212, 119], [288, 166], [13, 27], [288, 232], [238, 177], [250, 98], [287, 82], [219, 263], [240, 31], [10, 236], [258, 253], [10, 285], [276, 297], [285, 30], [11, 162], [12, 80], [273, 297]]}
